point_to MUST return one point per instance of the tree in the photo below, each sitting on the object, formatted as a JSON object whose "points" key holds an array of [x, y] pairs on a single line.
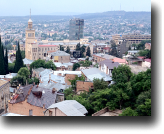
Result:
{"points": [[18, 80], [141, 45], [11, 67], [129, 112], [19, 61], [82, 50], [68, 50], [75, 66], [50, 65], [2, 68], [129, 48], [134, 45], [99, 84], [24, 72], [146, 53], [114, 50], [121, 74], [6, 62], [88, 53], [61, 48], [144, 109], [78, 48], [73, 82], [23, 54]]}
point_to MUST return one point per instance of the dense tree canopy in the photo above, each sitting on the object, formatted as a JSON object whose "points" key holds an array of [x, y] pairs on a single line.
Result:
{"points": [[2, 62], [141, 46], [75, 66], [24, 72], [88, 53], [68, 50], [114, 49]]}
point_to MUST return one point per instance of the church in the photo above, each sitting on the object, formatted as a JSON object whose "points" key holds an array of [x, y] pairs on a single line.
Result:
{"points": [[35, 50]]}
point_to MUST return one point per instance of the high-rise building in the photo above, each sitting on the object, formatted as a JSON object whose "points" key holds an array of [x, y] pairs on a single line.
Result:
{"points": [[76, 27]]}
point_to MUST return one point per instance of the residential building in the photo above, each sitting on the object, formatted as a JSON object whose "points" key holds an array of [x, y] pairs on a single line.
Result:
{"points": [[148, 46], [63, 66], [120, 61], [135, 38], [76, 28], [133, 52], [100, 57], [32, 100], [66, 108], [107, 66]]}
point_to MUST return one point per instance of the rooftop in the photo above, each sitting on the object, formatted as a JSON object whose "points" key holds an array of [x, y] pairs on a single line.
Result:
{"points": [[60, 53], [3, 82], [27, 61], [92, 73], [105, 56], [109, 63], [70, 108]]}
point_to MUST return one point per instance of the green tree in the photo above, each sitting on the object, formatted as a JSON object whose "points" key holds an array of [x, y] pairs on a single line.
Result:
{"points": [[129, 112], [146, 53], [50, 65], [121, 74], [114, 50], [6, 62], [129, 48], [144, 109], [141, 45], [24, 72], [23, 54], [11, 67], [134, 45], [73, 82], [15, 81], [78, 48], [75, 66], [99, 84], [19, 61], [82, 50], [68, 50], [88, 53], [61, 48], [2, 68]]}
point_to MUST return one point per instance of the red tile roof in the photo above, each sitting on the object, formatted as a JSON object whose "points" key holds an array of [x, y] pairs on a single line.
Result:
{"points": [[120, 60], [47, 45], [148, 60]]}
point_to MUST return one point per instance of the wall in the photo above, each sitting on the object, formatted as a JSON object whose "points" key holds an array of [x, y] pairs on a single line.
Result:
{"points": [[24, 107], [83, 86], [69, 77], [55, 112], [5, 92]]}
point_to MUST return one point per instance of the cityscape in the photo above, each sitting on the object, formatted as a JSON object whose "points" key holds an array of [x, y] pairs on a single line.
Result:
{"points": [[89, 64]]}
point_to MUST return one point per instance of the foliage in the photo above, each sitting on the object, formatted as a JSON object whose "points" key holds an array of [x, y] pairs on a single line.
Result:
{"points": [[32, 80], [141, 46], [73, 82], [75, 66], [144, 109], [2, 63], [23, 54], [61, 48], [134, 45], [6, 62], [129, 48], [86, 63], [96, 65], [121, 74], [82, 50], [146, 53], [129, 112], [78, 48], [88, 53], [18, 80], [11, 67], [99, 84], [50, 65], [19, 61], [114, 50], [24, 72], [68, 50]]}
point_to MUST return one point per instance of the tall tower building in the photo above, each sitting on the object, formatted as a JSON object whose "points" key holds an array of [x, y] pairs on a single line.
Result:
{"points": [[30, 43], [76, 28]]}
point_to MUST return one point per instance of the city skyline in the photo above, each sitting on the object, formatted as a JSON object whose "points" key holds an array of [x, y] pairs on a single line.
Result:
{"points": [[70, 7]]}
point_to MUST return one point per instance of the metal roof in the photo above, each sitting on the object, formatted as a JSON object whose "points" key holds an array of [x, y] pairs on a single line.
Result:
{"points": [[46, 72], [60, 53], [70, 108], [27, 61], [67, 72], [92, 73], [59, 64]]}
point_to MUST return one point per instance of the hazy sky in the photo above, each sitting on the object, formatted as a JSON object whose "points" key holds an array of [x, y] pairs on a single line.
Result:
{"points": [[48, 7]]}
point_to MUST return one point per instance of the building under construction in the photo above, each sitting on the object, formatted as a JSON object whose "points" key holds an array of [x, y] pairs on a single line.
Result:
{"points": [[76, 28]]}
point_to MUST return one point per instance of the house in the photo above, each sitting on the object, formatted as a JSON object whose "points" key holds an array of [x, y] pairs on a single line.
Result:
{"points": [[100, 57], [8, 77], [37, 71], [32, 100], [107, 112], [63, 66], [66, 108], [4, 94], [133, 52], [107, 66], [146, 63], [120, 61], [148, 46], [92, 73]]}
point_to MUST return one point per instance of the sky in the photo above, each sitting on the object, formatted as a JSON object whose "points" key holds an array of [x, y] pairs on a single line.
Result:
{"points": [[61, 7]]}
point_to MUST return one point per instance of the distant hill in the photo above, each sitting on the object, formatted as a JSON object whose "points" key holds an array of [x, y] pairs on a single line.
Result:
{"points": [[123, 14]]}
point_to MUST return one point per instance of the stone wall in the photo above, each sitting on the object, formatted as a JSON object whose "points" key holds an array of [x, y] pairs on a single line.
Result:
{"points": [[69, 77]]}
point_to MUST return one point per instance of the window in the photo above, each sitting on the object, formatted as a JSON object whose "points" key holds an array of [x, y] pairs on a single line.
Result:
{"points": [[50, 113], [31, 112]]}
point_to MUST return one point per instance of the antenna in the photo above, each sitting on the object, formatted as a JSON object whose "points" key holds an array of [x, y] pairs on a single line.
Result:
{"points": [[30, 13]]}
